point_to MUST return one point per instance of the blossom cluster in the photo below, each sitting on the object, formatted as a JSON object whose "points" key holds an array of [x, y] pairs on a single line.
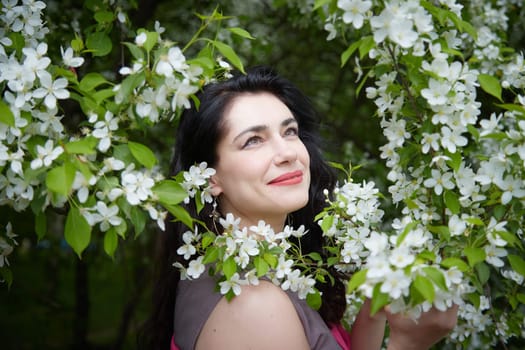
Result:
{"points": [[240, 256], [457, 174], [109, 182]]}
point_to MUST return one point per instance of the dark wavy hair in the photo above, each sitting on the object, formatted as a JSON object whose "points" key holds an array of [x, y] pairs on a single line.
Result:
{"points": [[200, 129]]}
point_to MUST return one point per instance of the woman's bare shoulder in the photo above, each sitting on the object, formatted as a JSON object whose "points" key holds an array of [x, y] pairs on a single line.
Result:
{"points": [[261, 317]]}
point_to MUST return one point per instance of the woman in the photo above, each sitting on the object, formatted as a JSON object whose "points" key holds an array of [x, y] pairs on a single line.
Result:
{"points": [[259, 133]]}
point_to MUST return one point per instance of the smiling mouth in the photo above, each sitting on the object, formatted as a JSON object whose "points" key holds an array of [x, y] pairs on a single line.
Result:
{"points": [[291, 178]]}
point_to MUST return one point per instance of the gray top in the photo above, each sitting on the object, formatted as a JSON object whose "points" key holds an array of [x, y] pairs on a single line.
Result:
{"points": [[196, 299]]}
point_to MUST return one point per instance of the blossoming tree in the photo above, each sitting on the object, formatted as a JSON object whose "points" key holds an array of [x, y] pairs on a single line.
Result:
{"points": [[456, 166]]}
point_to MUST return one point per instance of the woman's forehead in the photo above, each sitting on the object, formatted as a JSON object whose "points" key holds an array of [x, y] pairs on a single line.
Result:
{"points": [[255, 108]]}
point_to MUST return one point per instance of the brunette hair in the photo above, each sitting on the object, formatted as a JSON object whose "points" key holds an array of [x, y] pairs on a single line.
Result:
{"points": [[199, 132]]}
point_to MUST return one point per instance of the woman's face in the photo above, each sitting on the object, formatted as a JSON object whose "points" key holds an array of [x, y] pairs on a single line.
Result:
{"points": [[263, 168]]}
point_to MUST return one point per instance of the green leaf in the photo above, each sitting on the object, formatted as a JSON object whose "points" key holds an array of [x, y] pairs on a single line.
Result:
{"points": [[452, 201], [85, 145], [91, 80], [142, 154], [474, 255], [366, 44], [110, 242], [379, 300], [136, 51], [207, 239], [455, 262], [180, 214], [229, 267], [490, 85], [483, 273], [104, 17], [327, 223], [241, 32], [77, 231], [320, 3], [60, 179], [77, 44], [455, 160], [425, 287], [41, 225], [314, 300], [211, 255], [99, 44], [6, 116], [475, 221], [151, 40], [436, 276], [521, 298], [270, 259], [357, 279], [517, 263], [169, 192], [349, 52], [229, 54], [261, 266], [442, 231], [138, 219]]}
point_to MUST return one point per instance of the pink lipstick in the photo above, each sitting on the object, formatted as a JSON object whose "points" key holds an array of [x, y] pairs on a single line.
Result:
{"points": [[291, 178]]}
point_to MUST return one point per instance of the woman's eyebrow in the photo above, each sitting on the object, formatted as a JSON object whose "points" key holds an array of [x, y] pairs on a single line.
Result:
{"points": [[288, 121], [255, 128], [261, 128]]}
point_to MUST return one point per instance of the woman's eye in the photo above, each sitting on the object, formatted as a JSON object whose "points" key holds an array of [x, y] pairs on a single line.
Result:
{"points": [[292, 131], [252, 141]]}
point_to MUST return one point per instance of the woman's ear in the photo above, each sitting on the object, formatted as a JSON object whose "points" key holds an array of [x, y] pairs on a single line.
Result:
{"points": [[215, 188]]}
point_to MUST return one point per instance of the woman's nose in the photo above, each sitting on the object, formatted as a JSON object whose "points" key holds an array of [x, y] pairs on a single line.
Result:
{"points": [[285, 152]]}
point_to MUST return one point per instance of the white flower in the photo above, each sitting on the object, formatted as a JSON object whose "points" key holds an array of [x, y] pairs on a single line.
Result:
{"points": [[106, 216], [262, 229], [493, 255], [396, 284], [231, 223], [511, 187], [284, 267], [51, 90], [183, 89], [46, 155], [196, 267], [450, 139], [103, 131], [69, 59], [187, 249], [137, 186], [141, 39], [173, 60], [439, 181], [354, 11], [456, 226], [197, 176], [377, 243], [378, 267], [429, 141], [234, 284], [401, 257], [437, 91]]}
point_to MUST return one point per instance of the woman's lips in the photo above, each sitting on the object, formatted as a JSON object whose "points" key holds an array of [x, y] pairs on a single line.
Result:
{"points": [[290, 178]]}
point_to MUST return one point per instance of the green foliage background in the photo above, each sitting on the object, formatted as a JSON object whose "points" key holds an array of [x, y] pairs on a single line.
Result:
{"points": [[57, 301]]}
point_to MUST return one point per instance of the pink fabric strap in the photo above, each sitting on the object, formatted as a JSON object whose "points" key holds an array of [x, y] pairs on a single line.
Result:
{"points": [[341, 336], [173, 345]]}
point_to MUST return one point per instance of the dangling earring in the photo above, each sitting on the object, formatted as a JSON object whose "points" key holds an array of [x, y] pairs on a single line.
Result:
{"points": [[215, 215]]}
